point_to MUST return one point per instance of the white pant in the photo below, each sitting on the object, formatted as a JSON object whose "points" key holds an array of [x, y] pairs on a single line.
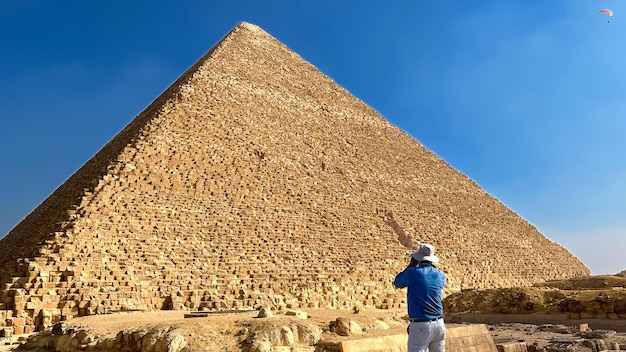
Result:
{"points": [[427, 336]]}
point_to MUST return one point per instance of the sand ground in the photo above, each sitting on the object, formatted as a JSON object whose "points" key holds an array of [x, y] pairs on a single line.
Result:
{"points": [[226, 329]]}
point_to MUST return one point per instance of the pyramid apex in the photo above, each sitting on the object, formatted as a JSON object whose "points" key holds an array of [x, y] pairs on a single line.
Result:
{"points": [[249, 26]]}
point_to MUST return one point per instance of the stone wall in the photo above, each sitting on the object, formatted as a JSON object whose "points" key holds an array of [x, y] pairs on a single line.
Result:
{"points": [[459, 338], [257, 180]]}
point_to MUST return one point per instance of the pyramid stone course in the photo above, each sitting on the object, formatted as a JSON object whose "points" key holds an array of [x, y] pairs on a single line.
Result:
{"points": [[256, 180]]}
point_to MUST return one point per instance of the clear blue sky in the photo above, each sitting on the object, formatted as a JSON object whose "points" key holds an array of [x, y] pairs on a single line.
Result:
{"points": [[527, 98]]}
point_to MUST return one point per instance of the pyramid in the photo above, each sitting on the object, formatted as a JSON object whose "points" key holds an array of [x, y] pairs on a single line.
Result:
{"points": [[256, 180]]}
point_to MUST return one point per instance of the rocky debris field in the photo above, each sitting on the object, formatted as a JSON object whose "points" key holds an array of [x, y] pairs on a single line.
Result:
{"points": [[555, 338], [593, 298], [177, 331], [600, 297], [313, 331]]}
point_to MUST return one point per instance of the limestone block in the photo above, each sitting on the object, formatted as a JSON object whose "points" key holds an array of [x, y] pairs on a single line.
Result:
{"points": [[512, 347], [37, 305], [457, 332], [6, 331], [385, 343], [21, 321], [67, 304], [71, 311], [345, 327], [298, 313], [265, 312], [20, 299]]}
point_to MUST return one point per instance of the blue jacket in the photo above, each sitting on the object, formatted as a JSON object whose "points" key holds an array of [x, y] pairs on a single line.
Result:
{"points": [[425, 284]]}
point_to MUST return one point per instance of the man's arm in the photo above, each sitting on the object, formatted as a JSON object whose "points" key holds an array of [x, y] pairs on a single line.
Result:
{"points": [[402, 279]]}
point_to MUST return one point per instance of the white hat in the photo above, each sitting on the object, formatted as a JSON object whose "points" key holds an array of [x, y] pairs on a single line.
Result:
{"points": [[426, 252]]}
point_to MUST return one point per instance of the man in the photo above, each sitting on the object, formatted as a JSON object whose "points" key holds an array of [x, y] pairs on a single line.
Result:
{"points": [[427, 331]]}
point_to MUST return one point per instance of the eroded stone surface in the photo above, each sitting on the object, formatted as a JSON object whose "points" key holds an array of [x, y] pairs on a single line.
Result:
{"points": [[592, 297]]}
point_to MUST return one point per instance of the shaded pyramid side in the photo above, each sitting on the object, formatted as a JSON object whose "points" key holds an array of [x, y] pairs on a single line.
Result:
{"points": [[257, 180]]}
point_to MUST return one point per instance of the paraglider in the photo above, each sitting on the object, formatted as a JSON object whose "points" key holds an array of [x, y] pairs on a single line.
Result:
{"points": [[606, 12]]}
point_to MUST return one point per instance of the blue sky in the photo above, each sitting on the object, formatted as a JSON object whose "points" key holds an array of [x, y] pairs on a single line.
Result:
{"points": [[527, 98]]}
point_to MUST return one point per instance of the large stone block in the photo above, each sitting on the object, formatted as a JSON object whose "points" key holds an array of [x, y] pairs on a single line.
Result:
{"points": [[512, 347]]}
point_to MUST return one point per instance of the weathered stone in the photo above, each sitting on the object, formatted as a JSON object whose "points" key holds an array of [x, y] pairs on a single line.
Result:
{"points": [[176, 344], [377, 325], [287, 337], [512, 347], [152, 338], [261, 346], [597, 334], [64, 343], [265, 312], [308, 334], [561, 329], [298, 313], [173, 341], [341, 326]]}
